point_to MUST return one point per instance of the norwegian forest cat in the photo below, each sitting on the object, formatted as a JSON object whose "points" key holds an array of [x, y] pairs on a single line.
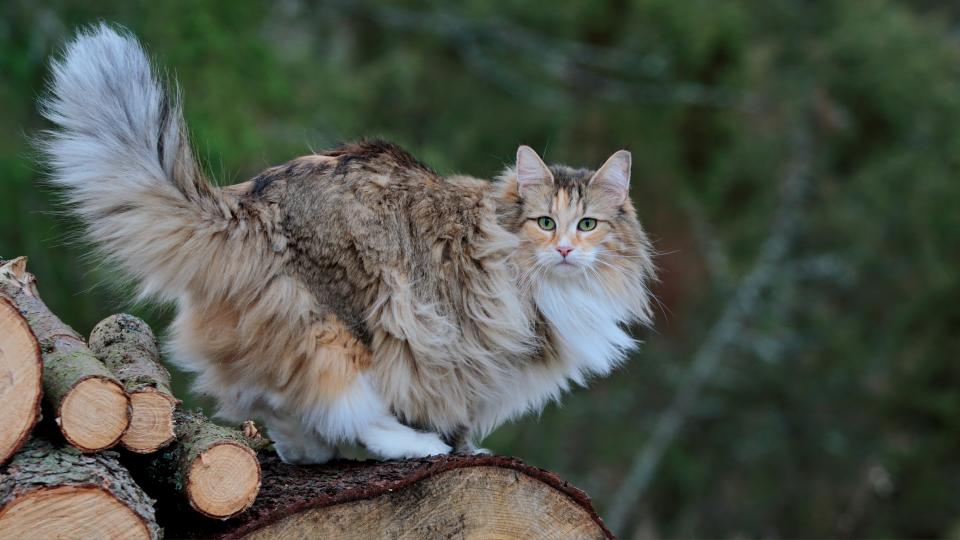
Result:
{"points": [[350, 296]]}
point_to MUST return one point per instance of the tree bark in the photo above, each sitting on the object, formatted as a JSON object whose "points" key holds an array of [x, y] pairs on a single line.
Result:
{"points": [[438, 497], [21, 383], [51, 492], [89, 403], [127, 346], [214, 468]]}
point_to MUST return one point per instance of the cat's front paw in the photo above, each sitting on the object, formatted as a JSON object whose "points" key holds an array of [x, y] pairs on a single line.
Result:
{"points": [[407, 444], [433, 446]]}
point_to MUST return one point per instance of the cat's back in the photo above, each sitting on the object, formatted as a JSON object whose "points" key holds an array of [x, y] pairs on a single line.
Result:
{"points": [[380, 197], [363, 210], [368, 189]]}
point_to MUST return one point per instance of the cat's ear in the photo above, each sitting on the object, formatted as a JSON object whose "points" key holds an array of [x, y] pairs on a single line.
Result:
{"points": [[531, 170], [614, 177]]}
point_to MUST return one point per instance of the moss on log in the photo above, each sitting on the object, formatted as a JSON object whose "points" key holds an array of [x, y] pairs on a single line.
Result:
{"points": [[57, 492], [127, 346], [89, 403]]}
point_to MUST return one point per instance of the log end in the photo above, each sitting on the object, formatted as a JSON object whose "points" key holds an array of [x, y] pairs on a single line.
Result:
{"points": [[94, 414], [437, 497], [70, 512], [53, 491], [21, 368], [151, 421], [223, 480], [476, 502]]}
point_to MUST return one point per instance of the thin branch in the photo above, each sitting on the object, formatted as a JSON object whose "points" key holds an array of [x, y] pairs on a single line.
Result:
{"points": [[724, 332]]}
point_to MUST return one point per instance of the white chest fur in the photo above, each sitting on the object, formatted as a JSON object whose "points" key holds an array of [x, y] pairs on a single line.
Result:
{"points": [[586, 322]]}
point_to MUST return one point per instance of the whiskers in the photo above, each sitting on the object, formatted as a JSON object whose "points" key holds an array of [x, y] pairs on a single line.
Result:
{"points": [[529, 277], [618, 255], [636, 270]]}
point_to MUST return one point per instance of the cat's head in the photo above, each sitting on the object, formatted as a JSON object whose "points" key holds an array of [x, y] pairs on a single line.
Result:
{"points": [[576, 224]]}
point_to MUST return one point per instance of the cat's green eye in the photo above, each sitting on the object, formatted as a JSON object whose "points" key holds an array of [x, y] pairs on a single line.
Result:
{"points": [[587, 224], [546, 223]]}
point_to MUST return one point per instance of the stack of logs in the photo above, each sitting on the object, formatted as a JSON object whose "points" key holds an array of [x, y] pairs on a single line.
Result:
{"points": [[178, 471]]}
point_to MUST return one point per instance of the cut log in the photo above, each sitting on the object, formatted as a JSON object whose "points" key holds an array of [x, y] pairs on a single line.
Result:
{"points": [[214, 468], [51, 492], [438, 497], [89, 403], [127, 346], [21, 384]]}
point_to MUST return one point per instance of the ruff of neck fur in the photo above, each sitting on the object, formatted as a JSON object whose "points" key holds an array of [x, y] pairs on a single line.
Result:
{"points": [[585, 321]]}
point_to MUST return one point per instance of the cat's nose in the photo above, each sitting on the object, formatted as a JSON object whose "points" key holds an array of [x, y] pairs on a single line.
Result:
{"points": [[564, 250]]}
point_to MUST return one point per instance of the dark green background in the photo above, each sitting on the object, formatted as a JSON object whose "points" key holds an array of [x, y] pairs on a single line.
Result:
{"points": [[832, 408]]}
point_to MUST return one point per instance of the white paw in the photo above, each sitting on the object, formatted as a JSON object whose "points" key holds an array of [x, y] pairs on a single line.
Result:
{"points": [[406, 444], [433, 446], [304, 455], [482, 452]]}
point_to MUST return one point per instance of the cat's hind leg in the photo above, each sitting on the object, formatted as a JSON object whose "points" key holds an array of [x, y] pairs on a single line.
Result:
{"points": [[362, 413], [330, 398], [347, 406], [298, 445], [359, 415]]}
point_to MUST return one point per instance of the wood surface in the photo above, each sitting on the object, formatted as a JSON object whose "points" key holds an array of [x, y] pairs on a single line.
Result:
{"points": [[21, 386], [89, 404], [127, 346], [437, 497], [213, 468], [51, 491]]}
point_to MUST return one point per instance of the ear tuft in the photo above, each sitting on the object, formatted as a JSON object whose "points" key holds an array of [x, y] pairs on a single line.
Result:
{"points": [[614, 176], [531, 170]]}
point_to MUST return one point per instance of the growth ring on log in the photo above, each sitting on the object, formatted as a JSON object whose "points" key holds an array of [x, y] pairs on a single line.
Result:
{"points": [[94, 414], [70, 512], [127, 346], [20, 379], [53, 491], [89, 404], [478, 502], [223, 480], [436, 497], [151, 421]]}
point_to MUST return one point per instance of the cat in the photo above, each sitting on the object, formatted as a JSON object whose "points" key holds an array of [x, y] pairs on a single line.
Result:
{"points": [[352, 296]]}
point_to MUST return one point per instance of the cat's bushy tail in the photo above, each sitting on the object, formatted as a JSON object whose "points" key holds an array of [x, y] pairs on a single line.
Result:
{"points": [[122, 156]]}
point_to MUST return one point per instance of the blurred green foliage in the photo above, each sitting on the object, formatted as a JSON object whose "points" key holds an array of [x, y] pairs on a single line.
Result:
{"points": [[834, 411]]}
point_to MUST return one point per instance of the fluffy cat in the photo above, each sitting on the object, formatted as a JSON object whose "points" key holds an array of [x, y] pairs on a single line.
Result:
{"points": [[350, 296]]}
